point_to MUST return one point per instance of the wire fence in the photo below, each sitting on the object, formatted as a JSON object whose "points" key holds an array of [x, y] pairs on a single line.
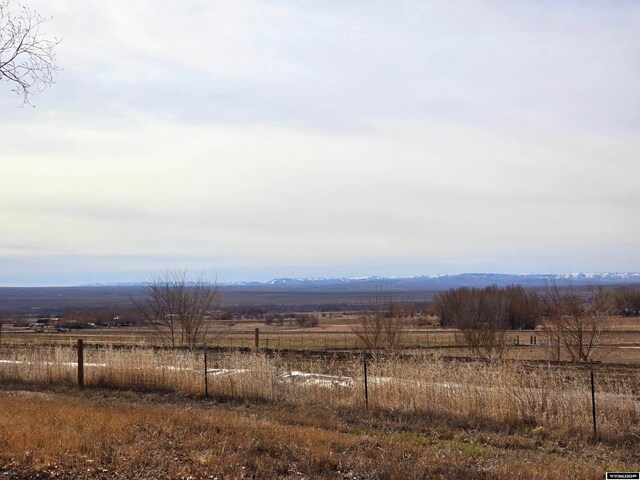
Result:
{"points": [[497, 395]]}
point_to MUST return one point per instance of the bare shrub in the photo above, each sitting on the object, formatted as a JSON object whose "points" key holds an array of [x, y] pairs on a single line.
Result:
{"points": [[481, 316], [522, 309], [225, 315], [178, 309], [627, 301], [306, 320], [379, 326], [483, 325], [578, 319]]}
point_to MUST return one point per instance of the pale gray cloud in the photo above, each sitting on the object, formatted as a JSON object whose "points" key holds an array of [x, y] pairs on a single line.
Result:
{"points": [[264, 139]]}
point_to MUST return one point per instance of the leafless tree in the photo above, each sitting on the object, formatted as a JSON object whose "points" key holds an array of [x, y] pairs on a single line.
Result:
{"points": [[519, 308], [627, 301], [177, 309], [483, 324], [381, 325], [480, 314], [577, 320], [27, 57]]}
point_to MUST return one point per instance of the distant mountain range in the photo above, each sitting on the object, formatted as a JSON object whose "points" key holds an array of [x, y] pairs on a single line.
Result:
{"points": [[426, 282]]}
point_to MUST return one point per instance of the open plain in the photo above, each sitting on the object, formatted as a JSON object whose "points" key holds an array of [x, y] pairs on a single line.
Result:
{"points": [[295, 401]]}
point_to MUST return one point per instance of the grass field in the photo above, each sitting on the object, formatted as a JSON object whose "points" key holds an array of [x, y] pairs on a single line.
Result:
{"points": [[494, 396], [296, 407], [66, 433], [335, 332]]}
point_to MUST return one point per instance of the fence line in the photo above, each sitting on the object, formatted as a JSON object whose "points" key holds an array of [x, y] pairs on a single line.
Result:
{"points": [[318, 340], [474, 392]]}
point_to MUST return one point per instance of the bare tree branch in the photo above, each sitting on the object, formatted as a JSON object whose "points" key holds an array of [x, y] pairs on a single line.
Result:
{"points": [[382, 324], [177, 309], [577, 320], [483, 315], [27, 57]]}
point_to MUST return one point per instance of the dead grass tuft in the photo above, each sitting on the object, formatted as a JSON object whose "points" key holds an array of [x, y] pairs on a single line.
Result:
{"points": [[88, 436], [497, 396]]}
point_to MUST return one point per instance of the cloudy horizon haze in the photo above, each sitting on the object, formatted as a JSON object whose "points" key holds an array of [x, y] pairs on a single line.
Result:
{"points": [[252, 140]]}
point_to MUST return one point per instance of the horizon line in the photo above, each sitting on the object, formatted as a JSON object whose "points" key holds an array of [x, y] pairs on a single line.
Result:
{"points": [[342, 278]]}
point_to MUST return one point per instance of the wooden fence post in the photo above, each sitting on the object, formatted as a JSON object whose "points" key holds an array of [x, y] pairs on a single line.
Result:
{"points": [[256, 340], [80, 363], [366, 383], [206, 375], [593, 399]]}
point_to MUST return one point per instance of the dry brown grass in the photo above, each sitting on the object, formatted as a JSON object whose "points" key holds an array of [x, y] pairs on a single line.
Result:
{"points": [[335, 333], [506, 396], [98, 435]]}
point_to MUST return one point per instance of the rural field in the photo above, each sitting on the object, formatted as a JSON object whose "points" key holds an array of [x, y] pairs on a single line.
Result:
{"points": [[247, 240], [62, 432], [336, 331], [299, 406]]}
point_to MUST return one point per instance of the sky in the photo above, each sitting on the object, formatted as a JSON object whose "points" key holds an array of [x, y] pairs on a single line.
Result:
{"points": [[256, 140]]}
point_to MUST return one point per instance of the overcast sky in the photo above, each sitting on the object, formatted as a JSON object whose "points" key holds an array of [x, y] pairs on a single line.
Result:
{"points": [[252, 140]]}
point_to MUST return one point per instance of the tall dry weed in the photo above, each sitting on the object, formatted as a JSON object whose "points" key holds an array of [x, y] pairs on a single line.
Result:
{"points": [[498, 395]]}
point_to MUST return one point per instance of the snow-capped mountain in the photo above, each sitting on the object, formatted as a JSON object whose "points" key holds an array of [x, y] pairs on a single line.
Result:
{"points": [[439, 282], [428, 282]]}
